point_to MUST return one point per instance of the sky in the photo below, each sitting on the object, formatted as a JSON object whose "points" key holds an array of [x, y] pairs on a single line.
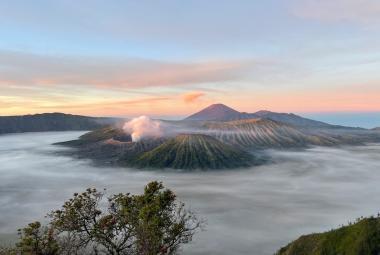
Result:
{"points": [[171, 58]]}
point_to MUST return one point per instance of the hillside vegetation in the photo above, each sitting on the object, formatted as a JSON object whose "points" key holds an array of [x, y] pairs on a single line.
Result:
{"points": [[361, 238]]}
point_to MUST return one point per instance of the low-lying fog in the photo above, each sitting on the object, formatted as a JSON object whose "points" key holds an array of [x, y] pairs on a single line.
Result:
{"points": [[252, 211]]}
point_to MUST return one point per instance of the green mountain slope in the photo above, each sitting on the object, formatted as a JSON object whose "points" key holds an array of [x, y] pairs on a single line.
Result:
{"points": [[361, 238], [194, 151]]}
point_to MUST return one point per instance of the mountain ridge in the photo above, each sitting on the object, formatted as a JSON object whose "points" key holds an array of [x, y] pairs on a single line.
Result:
{"points": [[221, 112], [51, 122], [264, 133]]}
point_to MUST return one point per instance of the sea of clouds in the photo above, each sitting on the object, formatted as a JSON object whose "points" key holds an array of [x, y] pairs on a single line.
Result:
{"points": [[249, 211]]}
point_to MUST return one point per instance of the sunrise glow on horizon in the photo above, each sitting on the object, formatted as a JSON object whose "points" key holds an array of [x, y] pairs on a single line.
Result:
{"points": [[165, 58]]}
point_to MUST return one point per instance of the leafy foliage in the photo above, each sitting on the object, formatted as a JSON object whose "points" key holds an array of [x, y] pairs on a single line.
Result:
{"points": [[147, 224], [36, 239]]}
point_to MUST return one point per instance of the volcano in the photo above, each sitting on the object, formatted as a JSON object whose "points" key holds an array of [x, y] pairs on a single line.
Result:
{"points": [[216, 112], [218, 137], [112, 146], [195, 151]]}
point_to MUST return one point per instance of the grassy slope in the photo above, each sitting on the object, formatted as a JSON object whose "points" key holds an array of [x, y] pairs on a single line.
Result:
{"points": [[361, 238], [194, 151]]}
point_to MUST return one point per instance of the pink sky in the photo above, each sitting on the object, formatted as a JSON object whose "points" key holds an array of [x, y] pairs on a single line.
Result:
{"points": [[287, 56]]}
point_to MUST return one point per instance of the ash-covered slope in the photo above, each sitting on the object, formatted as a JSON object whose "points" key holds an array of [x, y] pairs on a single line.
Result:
{"points": [[292, 119], [264, 133], [195, 151], [109, 146]]}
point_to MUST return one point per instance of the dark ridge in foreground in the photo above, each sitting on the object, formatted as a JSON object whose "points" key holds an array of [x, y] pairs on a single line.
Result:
{"points": [[51, 122], [195, 151], [361, 238]]}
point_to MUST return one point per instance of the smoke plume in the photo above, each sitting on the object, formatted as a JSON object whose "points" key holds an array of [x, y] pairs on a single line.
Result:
{"points": [[143, 126]]}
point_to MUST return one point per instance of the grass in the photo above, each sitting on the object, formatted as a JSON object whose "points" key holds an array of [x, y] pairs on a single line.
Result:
{"points": [[361, 238]]}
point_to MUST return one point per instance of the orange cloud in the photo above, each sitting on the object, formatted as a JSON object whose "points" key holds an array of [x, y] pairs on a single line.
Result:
{"points": [[347, 98], [192, 96], [107, 104]]}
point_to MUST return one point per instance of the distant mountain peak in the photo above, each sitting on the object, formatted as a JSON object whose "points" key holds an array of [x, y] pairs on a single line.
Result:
{"points": [[215, 112], [221, 107]]}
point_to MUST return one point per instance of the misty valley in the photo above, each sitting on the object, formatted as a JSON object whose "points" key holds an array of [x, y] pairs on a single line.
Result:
{"points": [[258, 180]]}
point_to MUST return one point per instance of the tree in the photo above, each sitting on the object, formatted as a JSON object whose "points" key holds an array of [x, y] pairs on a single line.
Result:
{"points": [[152, 223], [37, 240]]}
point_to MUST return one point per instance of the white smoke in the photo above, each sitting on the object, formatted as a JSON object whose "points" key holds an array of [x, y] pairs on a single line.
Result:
{"points": [[143, 126]]}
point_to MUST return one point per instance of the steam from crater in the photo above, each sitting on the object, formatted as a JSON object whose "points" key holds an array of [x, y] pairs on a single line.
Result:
{"points": [[142, 127]]}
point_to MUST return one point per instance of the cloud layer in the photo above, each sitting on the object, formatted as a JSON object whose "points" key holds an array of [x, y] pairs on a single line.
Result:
{"points": [[31, 69], [361, 11], [253, 211]]}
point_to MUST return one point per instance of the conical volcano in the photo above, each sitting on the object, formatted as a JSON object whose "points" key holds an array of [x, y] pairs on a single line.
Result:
{"points": [[195, 151]]}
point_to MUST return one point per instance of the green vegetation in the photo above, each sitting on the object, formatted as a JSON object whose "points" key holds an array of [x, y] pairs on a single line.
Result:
{"points": [[361, 238], [147, 224], [194, 151]]}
